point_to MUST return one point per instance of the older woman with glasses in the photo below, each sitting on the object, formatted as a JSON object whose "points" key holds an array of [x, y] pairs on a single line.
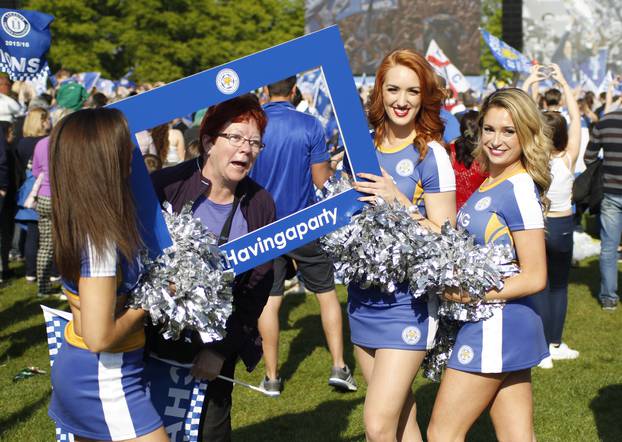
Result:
{"points": [[230, 205]]}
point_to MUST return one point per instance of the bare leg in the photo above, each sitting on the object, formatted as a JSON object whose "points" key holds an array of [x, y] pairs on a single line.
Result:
{"points": [[388, 409], [461, 399], [408, 429], [268, 324], [158, 435], [365, 359], [512, 409], [330, 312]]}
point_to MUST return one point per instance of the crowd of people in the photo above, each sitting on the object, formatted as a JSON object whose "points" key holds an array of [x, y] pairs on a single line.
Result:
{"points": [[502, 168]]}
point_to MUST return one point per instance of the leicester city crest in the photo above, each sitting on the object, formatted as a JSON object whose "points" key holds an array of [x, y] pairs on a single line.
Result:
{"points": [[405, 167], [411, 335], [227, 81], [15, 24], [465, 354]]}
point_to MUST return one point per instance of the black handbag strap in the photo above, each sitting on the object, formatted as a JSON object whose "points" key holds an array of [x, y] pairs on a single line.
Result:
{"points": [[226, 228]]}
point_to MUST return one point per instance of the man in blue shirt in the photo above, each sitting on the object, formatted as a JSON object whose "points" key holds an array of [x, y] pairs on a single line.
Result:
{"points": [[295, 159]]}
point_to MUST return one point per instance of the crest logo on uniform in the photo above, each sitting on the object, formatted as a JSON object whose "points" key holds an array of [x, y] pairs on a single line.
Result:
{"points": [[483, 204], [405, 167], [411, 335], [15, 24], [227, 81], [465, 354]]}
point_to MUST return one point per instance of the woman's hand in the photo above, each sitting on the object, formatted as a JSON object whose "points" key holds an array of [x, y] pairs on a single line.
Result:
{"points": [[456, 294], [557, 75], [378, 186]]}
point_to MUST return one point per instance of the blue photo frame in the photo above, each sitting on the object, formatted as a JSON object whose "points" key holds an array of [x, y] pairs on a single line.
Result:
{"points": [[322, 49]]}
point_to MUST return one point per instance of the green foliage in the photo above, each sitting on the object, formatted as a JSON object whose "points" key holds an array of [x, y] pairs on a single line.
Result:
{"points": [[492, 21], [164, 40]]}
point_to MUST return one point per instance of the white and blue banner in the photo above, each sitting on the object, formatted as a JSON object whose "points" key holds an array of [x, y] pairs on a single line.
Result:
{"points": [[508, 57], [106, 87], [324, 49], [313, 83], [24, 42], [176, 395], [595, 66]]}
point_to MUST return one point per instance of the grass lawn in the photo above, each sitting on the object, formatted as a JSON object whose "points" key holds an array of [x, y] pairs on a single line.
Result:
{"points": [[576, 401]]}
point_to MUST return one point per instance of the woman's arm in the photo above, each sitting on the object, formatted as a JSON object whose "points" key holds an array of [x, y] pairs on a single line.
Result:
{"points": [[609, 103], [101, 330], [574, 130], [439, 208], [531, 254], [535, 75]]}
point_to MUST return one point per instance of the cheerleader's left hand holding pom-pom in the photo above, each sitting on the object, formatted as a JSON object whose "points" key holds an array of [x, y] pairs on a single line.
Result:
{"points": [[187, 287]]}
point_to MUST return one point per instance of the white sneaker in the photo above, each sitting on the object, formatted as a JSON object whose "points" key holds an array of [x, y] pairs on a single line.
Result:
{"points": [[563, 352], [546, 363]]}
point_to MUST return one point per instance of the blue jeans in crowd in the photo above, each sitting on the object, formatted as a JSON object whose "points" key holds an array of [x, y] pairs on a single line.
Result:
{"points": [[552, 302], [610, 231]]}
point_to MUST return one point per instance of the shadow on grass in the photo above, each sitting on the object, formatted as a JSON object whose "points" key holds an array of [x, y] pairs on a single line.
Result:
{"points": [[290, 303], [23, 415], [425, 395], [608, 413], [324, 423], [309, 337], [588, 275], [20, 340], [23, 310]]}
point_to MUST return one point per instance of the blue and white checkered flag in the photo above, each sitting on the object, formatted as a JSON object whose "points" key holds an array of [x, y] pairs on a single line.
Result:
{"points": [[176, 395]]}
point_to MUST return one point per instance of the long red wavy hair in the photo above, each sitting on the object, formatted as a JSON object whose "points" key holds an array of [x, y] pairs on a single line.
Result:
{"points": [[428, 123]]}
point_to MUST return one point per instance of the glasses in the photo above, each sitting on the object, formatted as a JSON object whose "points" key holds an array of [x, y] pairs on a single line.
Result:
{"points": [[238, 140]]}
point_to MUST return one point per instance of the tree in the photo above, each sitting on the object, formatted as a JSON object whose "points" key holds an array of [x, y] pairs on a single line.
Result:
{"points": [[492, 14], [164, 40]]}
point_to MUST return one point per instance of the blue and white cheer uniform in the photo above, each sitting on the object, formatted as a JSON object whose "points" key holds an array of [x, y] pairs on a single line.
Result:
{"points": [[102, 396], [513, 338], [399, 321]]}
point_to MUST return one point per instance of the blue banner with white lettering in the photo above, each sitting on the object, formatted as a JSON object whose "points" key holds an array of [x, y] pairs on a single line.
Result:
{"points": [[176, 395], [508, 57], [24, 42]]}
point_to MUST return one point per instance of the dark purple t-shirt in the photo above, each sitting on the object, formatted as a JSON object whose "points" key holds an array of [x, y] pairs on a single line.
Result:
{"points": [[213, 216]]}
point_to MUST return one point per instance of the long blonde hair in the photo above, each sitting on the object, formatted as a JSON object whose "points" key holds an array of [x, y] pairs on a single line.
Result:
{"points": [[533, 135], [33, 123]]}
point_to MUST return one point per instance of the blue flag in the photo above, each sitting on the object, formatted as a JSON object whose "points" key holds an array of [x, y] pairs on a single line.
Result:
{"points": [[86, 79], [105, 86], [24, 41], [508, 57]]}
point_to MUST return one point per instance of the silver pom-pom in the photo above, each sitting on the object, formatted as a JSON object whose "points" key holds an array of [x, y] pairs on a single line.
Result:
{"points": [[474, 270], [378, 247], [436, 359], [202, 298]]}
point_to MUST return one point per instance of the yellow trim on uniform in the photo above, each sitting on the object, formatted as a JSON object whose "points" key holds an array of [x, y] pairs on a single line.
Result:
{"points": [[484, 188], [132, 342], [394, 149], [418, 195], [495, 230], [73, 296]]}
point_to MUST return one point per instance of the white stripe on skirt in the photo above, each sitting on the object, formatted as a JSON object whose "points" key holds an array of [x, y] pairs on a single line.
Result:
{"points": [[432, 320], [492, 343], [112, 396]]}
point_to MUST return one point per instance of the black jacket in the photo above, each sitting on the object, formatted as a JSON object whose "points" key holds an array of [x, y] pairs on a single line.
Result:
{"points": [[183, 183]]}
